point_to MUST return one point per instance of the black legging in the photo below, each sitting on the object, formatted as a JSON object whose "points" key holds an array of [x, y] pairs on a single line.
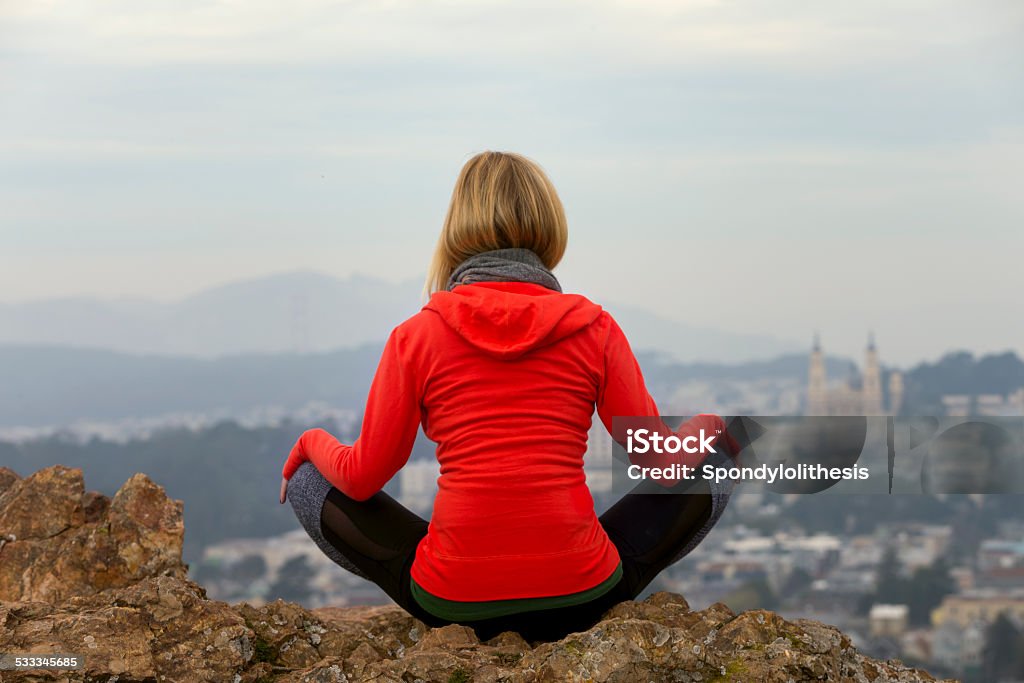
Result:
{"points": [[377, 539]]}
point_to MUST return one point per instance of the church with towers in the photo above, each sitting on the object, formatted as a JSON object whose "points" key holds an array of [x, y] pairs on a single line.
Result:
{"points": [[859, 394]]}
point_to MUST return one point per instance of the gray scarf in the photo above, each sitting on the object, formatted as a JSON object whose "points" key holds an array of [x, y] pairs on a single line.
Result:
{"points": [[503, 265]]}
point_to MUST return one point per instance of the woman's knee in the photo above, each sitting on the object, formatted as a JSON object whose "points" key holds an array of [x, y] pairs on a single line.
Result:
{"points": [[302, 476], [307, 491]]}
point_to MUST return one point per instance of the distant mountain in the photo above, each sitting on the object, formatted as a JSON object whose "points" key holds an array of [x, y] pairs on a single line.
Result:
{"points": [[53, 385], [50, 385], [961, 372], [299, 311], [794, 366], [691, 344], [306, 311]]}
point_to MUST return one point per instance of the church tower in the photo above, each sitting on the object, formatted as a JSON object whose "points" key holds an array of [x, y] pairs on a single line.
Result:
{"points": [[895, 392], [872, 389], [817, 397]]}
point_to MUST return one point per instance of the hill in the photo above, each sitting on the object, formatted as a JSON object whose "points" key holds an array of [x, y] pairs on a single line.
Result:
{"points": [[103, 577], [308, 312], [960, 372], [57, 385]]}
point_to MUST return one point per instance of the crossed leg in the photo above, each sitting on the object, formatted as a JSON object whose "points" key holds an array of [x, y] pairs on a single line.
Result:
{"points": [[376, 539]]}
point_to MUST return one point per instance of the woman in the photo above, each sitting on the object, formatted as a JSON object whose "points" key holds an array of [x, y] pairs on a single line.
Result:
{"points": [[504, 372]]}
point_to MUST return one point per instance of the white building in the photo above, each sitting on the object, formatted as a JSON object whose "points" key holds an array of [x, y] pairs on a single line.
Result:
{"points": [[888, 621], [418, 484]]}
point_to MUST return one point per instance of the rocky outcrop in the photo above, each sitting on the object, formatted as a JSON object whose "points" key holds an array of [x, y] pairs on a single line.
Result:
{"points": [[83, 574], [72, 543]]}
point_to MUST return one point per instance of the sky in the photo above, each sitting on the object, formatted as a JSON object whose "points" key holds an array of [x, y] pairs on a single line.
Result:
{"points": [[775, 167]]}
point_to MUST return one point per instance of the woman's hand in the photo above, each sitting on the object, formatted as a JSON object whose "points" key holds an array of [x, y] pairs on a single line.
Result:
{"points": [[296, 457]]}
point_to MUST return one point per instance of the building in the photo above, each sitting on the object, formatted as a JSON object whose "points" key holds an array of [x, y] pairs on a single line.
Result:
{"points": [[979, 605], [996, 405], [917, 545], [418, 485], [888, 621], [859, 394], [998, 553], [737, 572], [959, 648], [597, 461], [599, 445], [328, 585]]}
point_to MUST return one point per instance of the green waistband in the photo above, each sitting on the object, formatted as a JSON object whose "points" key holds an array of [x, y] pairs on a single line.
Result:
{"points": [[459, 611]]}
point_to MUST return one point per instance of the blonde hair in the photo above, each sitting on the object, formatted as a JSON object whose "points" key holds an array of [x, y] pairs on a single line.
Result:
{"points": [[501, 200]]}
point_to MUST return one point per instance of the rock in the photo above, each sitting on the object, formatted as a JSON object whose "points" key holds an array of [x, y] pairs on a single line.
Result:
{"points": [[161, 626], [70, 543], [7, 477], [30, 511], [103, 577]]}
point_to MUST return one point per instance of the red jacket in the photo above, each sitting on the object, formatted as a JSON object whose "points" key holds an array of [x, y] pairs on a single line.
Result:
{"points": [[504, 377]]}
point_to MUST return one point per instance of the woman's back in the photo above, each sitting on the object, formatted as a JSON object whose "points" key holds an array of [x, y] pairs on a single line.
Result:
{"points": [[508, 374]]}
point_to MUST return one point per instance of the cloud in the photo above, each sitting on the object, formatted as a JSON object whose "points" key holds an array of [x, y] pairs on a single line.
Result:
{"points": [[576, 34]]}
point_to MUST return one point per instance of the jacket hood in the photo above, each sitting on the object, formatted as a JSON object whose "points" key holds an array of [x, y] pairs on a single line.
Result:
{"points": [[509, 319]]}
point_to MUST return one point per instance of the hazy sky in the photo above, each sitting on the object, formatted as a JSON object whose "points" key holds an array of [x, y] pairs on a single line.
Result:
{"points": [[773, 167]]}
